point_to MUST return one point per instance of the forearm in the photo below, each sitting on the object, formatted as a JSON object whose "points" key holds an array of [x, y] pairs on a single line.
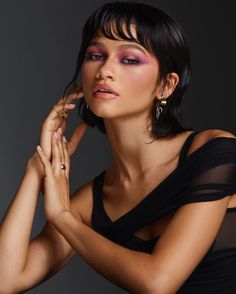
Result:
{"points": [[17, 223], [126, 268]]}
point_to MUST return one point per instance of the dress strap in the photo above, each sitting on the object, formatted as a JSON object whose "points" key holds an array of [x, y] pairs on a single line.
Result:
{"points": [[98, 219], [186, 146]]}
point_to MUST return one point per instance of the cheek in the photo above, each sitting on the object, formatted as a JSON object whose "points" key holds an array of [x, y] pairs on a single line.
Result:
{"points": [[144, 78], [86, 74], [87, 78]]}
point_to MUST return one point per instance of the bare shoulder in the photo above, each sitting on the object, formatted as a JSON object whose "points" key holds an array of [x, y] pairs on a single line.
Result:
{"points": [[206, 135], [82, 202]]}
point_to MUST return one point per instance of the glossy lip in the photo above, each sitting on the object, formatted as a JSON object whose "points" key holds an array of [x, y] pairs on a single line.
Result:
{"points": [[105, 96], [104, 87]]}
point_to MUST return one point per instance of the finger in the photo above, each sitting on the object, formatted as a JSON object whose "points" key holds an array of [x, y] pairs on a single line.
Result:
{"points": [[56, 158], [60, 145], [60, 101], [80, 95], [44, 160], [63, 125], [59, 114], [76, 137], [63, 107], [62, 114], [71, 97], [66, 156], [74, 88]]}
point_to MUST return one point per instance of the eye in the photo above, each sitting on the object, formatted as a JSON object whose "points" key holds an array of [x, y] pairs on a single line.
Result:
{"points": [[130, 60], [93, 56]]}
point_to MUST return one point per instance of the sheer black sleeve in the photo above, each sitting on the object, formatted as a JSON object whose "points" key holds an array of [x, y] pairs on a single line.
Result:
{"points": [[211, 172], [207, 174]]}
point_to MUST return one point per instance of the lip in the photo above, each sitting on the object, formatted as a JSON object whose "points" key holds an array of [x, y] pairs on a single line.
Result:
{"points": [[105, 96], [111, 94]]}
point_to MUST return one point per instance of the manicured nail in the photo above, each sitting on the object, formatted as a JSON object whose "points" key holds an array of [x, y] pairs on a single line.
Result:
{"points": [[39, 148], [58, 134], [80, 95], [55, 135], [64, 139]]}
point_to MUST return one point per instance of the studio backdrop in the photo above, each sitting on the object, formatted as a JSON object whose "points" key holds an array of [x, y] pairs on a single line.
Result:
{"points": [[39, 46]]}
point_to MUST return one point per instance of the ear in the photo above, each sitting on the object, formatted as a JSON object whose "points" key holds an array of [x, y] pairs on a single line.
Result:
{"points": [[167, 86]]}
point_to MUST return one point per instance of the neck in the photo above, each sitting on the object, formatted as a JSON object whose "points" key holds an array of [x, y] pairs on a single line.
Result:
{"points": [[132, 156]]}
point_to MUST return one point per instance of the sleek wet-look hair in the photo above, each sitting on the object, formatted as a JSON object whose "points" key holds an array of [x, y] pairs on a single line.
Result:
{"points": [[160, 35]]}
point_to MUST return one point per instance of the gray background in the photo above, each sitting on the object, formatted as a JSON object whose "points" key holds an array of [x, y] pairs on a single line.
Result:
{"points": [[39, 44]]}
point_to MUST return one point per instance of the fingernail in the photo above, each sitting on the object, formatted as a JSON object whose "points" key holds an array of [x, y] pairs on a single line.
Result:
{"points": [[39, 148], [55, 135], [64, 139], [60, 131], [80, 95]]}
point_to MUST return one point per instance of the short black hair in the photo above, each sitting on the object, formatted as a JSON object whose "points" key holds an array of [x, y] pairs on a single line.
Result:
{"points": [[160, 35]]}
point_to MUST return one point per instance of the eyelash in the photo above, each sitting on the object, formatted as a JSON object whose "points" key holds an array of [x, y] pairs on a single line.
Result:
{"points": [[95, 57]]}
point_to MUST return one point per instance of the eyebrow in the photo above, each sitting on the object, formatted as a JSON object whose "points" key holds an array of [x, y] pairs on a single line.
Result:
{"points": [[122, 46]]}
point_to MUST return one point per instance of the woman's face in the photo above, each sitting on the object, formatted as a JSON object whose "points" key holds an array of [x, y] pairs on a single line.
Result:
{"points": [[118, 78]]}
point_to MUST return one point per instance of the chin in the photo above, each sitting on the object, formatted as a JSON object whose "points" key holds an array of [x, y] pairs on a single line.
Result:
{"points": [[104, 111], [104, 114]]}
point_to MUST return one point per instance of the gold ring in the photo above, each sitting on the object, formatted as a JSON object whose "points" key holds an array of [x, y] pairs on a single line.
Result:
{"points": [[63, 166], [63, 114]]}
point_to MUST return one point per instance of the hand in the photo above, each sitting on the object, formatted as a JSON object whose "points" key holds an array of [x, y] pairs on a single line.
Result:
{"points": [[57, 118], [56, 180]]}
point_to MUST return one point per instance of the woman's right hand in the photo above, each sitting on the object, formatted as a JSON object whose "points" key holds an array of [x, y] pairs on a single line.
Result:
{"points": [[57, 118]]}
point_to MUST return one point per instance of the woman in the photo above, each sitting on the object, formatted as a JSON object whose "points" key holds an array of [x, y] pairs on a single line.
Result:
{"points": [[160, 218]]}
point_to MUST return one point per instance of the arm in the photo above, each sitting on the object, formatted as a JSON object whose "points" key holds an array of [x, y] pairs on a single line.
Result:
{"points": [[25, 263], [163, 271], [194, 226], [17, 224], [21, 260], [170, 264], [46, 254]]}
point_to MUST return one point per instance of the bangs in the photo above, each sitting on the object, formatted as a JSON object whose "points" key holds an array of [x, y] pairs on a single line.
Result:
{"points": [[160, 35], [115, 28], [115, 24], [114, 21]]}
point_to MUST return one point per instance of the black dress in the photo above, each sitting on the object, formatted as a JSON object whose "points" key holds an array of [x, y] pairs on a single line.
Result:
{"points": [[207, 174]]}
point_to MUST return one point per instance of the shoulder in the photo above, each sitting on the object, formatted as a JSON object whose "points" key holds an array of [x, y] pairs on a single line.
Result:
{"points": [[205, 136], [214, 133]]}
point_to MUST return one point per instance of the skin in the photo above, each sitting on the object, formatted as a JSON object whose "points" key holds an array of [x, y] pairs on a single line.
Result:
{"points": [[126, 118], [132, 161], [17, 252], [25, 263]]}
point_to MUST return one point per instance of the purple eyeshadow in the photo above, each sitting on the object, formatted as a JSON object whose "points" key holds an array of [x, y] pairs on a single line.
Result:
{"points": [[122, 56], [140, 60]]}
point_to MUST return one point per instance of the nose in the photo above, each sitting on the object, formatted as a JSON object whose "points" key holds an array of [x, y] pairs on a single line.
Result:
{"points": [[106, 70]]}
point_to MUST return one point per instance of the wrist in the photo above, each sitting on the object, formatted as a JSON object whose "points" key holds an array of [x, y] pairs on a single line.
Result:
{"points": [[62, 220], [34, 164]]}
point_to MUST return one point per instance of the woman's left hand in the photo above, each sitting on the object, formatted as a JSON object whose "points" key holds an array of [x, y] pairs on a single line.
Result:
{"points": [[56, 180]]}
